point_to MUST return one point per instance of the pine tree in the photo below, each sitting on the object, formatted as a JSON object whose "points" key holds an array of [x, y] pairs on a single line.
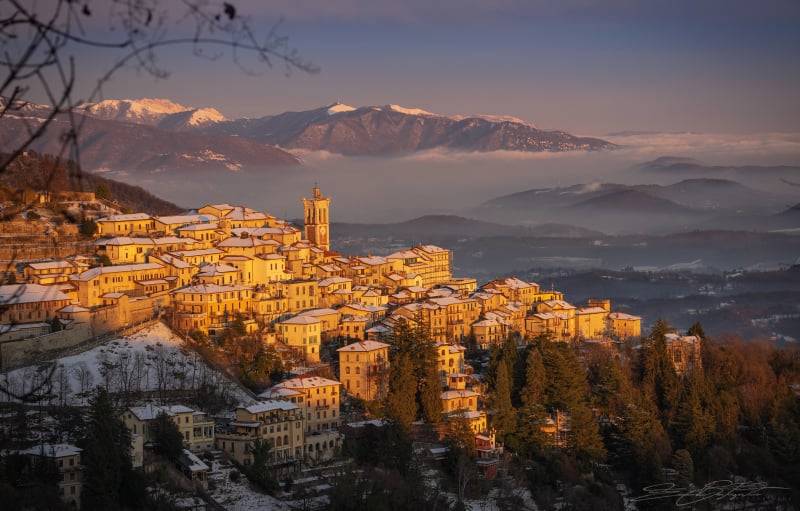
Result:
{"points": [[401, 402], [168, 438], [504, 414], [529, 438], [258, 472], [585, 440], [430, 394], [645, 442], [694, 420], [106, 456], [566, 377], [535, 379], [658, 374]]}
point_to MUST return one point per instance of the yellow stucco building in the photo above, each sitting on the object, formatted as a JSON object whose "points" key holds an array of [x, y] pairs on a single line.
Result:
{"points": [[363, 369]]}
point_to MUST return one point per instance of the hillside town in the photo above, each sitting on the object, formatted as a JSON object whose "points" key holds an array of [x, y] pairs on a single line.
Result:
{"points": [[333, 323]]}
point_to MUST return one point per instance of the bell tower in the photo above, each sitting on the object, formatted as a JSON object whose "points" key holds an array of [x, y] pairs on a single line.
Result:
{"points": [[316, 219]]}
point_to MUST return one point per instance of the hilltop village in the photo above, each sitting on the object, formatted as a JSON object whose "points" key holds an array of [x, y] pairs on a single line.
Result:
{"points": [[332, 322]]}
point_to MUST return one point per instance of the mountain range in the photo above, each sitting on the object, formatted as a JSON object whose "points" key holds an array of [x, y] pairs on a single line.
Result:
{"points": [[159, 135], [685, 167], [439, 227], [618, 208], [393, 129]]}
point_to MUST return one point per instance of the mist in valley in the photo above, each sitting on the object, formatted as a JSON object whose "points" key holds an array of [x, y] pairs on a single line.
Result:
{"points": [[382, 189]]}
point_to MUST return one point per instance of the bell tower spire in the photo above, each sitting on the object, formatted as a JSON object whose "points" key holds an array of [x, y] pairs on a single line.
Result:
{"points": [[317, 227]]}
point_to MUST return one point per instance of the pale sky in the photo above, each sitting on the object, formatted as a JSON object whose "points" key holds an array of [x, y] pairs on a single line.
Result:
{"points": [[589, 67]]}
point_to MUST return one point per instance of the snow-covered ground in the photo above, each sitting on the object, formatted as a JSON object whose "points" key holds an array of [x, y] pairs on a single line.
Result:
{"points": [[152, 360], [239, 496]]}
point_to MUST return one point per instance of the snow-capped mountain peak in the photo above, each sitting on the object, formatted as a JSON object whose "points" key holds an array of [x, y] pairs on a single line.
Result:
{"points": [[202, 116], [188, 119], [140, 111], [409, 111], [338, 108]]}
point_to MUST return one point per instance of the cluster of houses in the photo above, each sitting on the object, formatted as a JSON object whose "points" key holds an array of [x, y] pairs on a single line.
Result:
{"points": [[222, 263]]}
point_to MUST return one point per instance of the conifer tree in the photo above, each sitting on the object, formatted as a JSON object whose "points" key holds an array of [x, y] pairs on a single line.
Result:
{"points": [[535, 379], [585, 439], [504, 414], [168, 438], [106, 456], [694, 420], [401, 402], [529, 437], [659, 377], [646, 443], [430, 394]]}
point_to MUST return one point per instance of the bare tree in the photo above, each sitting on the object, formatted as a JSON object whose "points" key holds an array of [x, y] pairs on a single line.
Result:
{"points": [[41, 44], [84, 376], [40, 47]]}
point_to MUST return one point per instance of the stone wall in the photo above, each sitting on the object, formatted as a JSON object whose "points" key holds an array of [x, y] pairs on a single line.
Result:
{"points": [[103, 324], [20, 352]]}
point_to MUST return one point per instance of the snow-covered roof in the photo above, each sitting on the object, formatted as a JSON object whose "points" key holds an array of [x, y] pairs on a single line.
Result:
{"points": [[192, 462], [49, 265], [73, 308], [590, 310], [364, 346], [269, 406], [249, 241], [300, 320], [119, 268], [308, 382], [318, 312], [558, 304], [29, 293], [624, 316], [125, 218], [244, 213], [185, 219], [209, 270], [333, 280], [372, 260], [446, 300], [52, 450], [209, 289], [150, 411], [198, 252], [429, 248], [279, 392], [173, 261], [454, 394], [403, 254], [199, 227]]}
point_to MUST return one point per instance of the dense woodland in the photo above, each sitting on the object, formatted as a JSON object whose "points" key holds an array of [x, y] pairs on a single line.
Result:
{"points": [[44, 172], [633, 421]]}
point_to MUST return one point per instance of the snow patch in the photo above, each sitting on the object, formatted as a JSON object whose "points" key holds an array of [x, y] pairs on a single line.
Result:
{"points": [[205, 116], [155, 354], [338, 108], [409, 111], [494, 119]]}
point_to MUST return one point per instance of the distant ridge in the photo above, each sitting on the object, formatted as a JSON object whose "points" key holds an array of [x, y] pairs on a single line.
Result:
{"points": [[394, 129], [449, 226]]}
